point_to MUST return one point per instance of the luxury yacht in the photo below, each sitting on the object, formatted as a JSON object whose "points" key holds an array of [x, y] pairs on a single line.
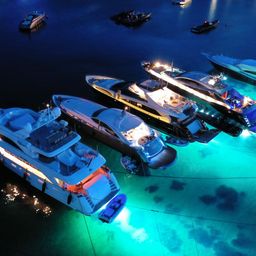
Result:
{"points": [[165, 109], [235, 111], [32, 20], [119, 129], [52, 159], [242, 69]]}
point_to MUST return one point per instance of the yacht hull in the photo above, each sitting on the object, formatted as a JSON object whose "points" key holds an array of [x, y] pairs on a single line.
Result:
{"points": [[231, 69], [229, 122], [77, 202]]}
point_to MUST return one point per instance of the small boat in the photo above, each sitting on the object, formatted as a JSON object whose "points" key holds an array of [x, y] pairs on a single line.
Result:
{"points": [[119, 129], [181, 2], [32, 20], [244, 69], [113, 208], [131, 18], [206, 26]]}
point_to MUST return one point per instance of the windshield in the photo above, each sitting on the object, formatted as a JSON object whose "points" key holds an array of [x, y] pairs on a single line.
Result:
{"points": [[135, 134]]}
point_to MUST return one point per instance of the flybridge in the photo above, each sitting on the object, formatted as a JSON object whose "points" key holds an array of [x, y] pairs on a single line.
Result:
{"points": [[149, 67]]}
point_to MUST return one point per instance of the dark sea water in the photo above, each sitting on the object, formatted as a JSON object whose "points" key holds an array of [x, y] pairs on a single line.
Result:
{"points": [[204, 204]]}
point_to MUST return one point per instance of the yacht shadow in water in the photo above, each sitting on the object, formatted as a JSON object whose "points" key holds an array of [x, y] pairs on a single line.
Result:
{"points": [[225, 198]]}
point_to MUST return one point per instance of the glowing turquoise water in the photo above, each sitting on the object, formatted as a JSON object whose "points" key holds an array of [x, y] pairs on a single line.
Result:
{"points": [[202, 205]]}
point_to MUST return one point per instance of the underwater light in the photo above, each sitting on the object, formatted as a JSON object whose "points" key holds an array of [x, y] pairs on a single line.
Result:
{"points": [[123, 216], [246, 133]]}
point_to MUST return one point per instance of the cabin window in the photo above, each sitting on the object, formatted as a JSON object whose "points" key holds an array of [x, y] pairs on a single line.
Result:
{"points": [[108, 129], [104, 91], [7, 140], [46, 159]]}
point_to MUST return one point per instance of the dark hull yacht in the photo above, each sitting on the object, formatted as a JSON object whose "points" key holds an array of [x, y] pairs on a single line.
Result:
{"points": [[157, 105], [220, 105]]}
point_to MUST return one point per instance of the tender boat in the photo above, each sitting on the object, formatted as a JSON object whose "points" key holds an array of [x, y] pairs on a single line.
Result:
{"points": [[157, 104], [119, 128], [241, 69], [181, 2], [32, 20], [208, 91], [113, 208], [205, 27], [52, 159], [131, 18]]}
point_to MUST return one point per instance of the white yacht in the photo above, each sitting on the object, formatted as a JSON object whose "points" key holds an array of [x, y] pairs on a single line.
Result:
{"points": [[52, 159], [244, 69], [119, 128], [157, 104]]}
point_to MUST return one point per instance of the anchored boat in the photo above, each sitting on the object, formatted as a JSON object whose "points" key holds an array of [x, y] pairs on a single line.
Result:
{"points": [[235, 111], [52, 159], [119, 129], [158, 105], [32, 20], [241, 69]]}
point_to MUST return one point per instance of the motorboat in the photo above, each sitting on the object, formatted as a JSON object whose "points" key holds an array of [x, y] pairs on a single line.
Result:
{"points": [[32, 20], [131, 18], [113, 208], [156, 104], [50, 156], [235, 111], [181, 2], [244, 69], [205, 27], [119, 129]]}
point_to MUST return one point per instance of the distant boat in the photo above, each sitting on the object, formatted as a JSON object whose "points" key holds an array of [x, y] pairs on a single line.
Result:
{"points": [[119, 129], [181, 2], [244, 69], [32, 20], [205, 27], [131, 18]]}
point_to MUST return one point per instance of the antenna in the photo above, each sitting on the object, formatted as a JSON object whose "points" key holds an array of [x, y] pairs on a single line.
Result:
{"points": [[48, 109]]}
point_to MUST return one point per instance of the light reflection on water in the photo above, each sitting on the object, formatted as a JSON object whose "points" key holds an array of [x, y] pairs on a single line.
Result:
{"points": [[12, 193]]}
